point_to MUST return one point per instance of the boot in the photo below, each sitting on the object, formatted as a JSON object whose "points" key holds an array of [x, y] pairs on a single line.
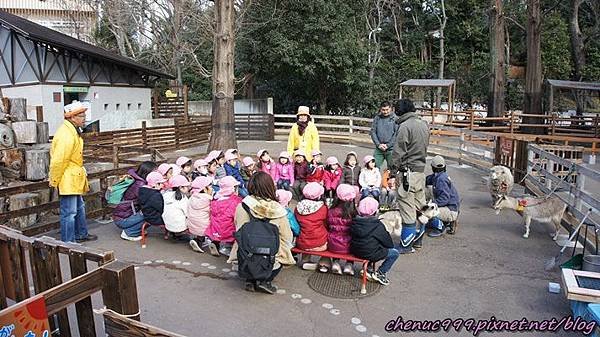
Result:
{"points": [[452, 227]]}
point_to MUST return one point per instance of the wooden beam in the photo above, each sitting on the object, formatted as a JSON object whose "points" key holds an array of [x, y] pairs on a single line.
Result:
{"points": [[83, 308], [118, 326], [72, 291]]}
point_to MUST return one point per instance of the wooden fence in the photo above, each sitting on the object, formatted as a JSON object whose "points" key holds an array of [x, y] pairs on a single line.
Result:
{"points": [[254, 126], [38, 261], [171, 107]]}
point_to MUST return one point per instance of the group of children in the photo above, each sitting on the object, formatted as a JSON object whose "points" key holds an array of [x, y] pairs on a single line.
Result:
{"points": [[196, 200]]}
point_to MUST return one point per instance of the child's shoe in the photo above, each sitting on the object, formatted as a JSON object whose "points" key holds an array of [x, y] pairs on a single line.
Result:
{"points": [[214, 251], [224, 250], [349, 269], [266, 287], [309, 266], [250, 286], [195, 246], [336, 268], [369, 275], [381, 278]]}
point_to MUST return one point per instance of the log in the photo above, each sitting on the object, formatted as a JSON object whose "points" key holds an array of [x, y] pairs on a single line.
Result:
{"points": [[13, 160], [43, 133], [37, 164], [18, 109], [21, 201], [7, 136], [25, 132]]}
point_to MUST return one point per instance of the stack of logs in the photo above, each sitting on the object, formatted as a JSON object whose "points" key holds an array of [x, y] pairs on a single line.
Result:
{"points": [[24, 156]]}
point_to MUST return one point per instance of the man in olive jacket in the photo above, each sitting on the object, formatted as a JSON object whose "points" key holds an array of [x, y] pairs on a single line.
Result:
{"points": [[408, 159], [69, 176], [383, 134]]}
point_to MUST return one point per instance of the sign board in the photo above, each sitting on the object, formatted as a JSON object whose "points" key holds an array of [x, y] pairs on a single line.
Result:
{"points": [[75, 89], [506, 146], [25, 319]]}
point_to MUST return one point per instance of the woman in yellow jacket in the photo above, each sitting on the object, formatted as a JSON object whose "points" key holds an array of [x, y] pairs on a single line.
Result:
{"points": [[68, 174], [304, 134]]}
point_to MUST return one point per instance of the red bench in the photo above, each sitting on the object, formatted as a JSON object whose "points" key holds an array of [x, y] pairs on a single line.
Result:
{"points": [[145, 225], [347, 257]]}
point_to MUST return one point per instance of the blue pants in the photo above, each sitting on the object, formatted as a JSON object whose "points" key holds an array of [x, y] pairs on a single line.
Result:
{"points": [[73, 224], [389, 260], [132, 225], [370, 191], [284, 184]]}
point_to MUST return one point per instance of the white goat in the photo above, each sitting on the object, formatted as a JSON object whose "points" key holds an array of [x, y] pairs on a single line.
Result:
{"points": [[392, 221], [543, 209], [500, 182]]}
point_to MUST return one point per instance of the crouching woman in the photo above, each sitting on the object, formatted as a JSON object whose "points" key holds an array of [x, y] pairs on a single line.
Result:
{"points": [[262, 204]]}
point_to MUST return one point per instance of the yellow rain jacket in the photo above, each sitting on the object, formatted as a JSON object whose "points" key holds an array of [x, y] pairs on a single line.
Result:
{"points": [[66, 162], [308, 142]]}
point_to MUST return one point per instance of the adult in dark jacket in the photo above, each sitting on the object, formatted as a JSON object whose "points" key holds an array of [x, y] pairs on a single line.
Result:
{"points": [[408, 157], [445, 196], [383, 134], [371, 241], [127, 214]]}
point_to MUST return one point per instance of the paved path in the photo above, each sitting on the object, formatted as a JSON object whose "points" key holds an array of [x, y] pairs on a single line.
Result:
{"points": [[486, 269]]}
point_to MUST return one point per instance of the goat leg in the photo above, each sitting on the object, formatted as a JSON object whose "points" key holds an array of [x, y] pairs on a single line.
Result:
{"points": [[527, 224]]}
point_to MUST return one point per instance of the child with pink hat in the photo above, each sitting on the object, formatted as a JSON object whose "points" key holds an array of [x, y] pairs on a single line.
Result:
{"points": [[265, 163], [371, 241], [339, 222], [284, 172], [200, 169], [284, 197], [167, 171], [248, 169], [185, 164], [300, 173], [151, 200], [331, 176], [232, 168], [175, 210], [316, 170], [198, 212], [222, 211], [370, 179], [311, 214]]}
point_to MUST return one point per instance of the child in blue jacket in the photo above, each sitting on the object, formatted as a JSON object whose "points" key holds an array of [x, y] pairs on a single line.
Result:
{"points": [[445, 196], [232, 168]]}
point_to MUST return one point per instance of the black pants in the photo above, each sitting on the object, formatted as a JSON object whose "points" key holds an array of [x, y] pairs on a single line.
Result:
{"points": [[274, 274]]}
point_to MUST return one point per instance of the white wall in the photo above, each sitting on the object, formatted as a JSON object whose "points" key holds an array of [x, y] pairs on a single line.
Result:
{"points": [[133, 105]]}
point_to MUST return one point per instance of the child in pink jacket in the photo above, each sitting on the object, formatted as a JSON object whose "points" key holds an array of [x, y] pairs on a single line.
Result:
{"points": [[332, 176], [265, 163], [284, 172], [222, 211], [198, 214]]}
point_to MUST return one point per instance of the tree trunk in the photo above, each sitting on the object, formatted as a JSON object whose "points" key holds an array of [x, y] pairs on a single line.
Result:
{"points": [[498, 61], [533, 76], [323, 100], [577, 52], [223, 135], [442, 56]]}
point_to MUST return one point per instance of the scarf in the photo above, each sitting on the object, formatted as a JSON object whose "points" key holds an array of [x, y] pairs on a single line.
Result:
{"points": [[301, 127]]}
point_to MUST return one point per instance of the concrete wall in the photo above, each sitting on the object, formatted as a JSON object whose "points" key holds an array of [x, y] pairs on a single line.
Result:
{"points": [[115, 107], [241, 106]]}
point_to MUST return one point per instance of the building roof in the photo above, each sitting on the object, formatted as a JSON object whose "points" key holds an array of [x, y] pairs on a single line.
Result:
{"points": [[427, 83], [592, 86], [39, 33]]}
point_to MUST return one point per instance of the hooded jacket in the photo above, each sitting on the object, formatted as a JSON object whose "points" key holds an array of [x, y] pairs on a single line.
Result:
{"points": [[331, 180], [369, 178], [301, 171], [66, 161], [312, 217], [315, 173], [152, 205], [268, 168], [222, 212], [284, 171], [444, 192], [351, 175], [277, 215], [234, 171], [384, 130], [308, 142], [370, 240], [198, 213], [129, 204], [339, 231], [175, 212], [411, 143]]}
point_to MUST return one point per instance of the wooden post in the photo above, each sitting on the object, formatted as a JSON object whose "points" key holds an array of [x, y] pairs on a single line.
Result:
{"points": [[512, 121], [155, 103], [553, 124], [185, 105], [579, 186], [85, 315], [18, 270], [115, 156], [460, 148], [39, 113], [120, 290], [176, 134], [471, 119], [432, 116], [144, 135], [596, 129]]}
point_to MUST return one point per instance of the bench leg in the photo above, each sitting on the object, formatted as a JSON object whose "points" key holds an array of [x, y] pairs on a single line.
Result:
{"points": [[165, 232], [363, 287], [144, 234]]}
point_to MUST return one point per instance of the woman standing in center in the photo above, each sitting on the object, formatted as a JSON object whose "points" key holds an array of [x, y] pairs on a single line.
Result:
{"points": [[304, 134]]}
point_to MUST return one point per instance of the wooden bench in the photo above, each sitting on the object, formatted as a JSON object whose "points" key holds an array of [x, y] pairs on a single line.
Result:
{"points": [[347, 257]]}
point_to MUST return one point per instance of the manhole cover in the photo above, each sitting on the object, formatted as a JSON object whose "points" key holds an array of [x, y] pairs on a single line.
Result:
{"points": [[340, 286]]}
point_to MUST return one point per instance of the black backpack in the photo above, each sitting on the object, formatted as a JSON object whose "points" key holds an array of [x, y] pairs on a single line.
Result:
{"points": [[258, 243]]}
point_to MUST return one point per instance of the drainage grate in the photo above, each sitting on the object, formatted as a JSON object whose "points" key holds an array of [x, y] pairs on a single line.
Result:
{"points": [[340, 286]]}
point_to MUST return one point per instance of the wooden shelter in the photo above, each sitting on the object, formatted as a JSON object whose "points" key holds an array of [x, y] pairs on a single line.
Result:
{"points": [[448, 84], [553, 85]]}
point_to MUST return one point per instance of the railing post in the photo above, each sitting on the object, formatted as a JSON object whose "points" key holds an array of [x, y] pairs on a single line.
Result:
{"points": [[39, 113], [579, 186], [185, 104], [115, 156], [550, 171], [144, 135], [432, 116], [460, 148], [471, 119], [120, 289], [596, 129], [155, 107], [553, 124]]}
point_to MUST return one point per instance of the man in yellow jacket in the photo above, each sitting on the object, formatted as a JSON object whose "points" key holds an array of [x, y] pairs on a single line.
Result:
{"points": [[304, 134], [69, 176]]}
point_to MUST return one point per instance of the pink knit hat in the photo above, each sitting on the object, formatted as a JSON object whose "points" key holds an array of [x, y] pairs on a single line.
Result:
{"points": [[200, 183], [368, 158], [368, 206], [200, 162], [230, 156], [182, 161], [313, 191], [284, 154], [284, 197], [247, 161], [316, 153], [345, 192], [154, 178], [163, 168], [227, 186], [332, 160], [179, 181]]}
